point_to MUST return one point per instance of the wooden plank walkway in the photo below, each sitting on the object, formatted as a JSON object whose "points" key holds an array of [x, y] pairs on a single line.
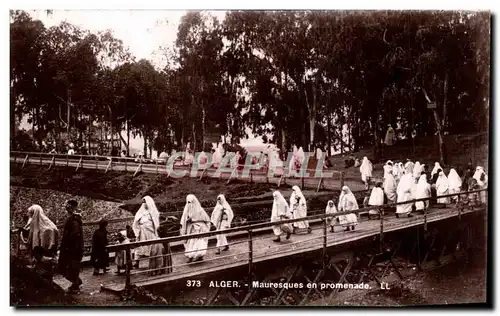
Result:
{"points": [[264, 250]]}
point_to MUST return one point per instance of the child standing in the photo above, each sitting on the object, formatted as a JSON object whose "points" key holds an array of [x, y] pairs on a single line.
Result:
{"points": [[120, 258], [100, 256]]}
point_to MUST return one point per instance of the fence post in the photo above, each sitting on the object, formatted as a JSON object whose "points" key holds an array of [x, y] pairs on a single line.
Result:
{"points": [[126, 164], [250, 259], [302, 181], [324, 245], [67, 162], [79, 164], [96, 163], [40, 159], [110, 165], [341, 179], [128, 258], [251, 175], [52, 162], [156, 166], [15, 158]]}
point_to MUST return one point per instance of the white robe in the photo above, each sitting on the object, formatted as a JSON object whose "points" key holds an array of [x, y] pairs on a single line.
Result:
{"points": [[455, 184], [390, 188], [417, 170], [330, 210], [298, 206], [145, 226], [222, 217], [404, 194], [442, 186], [376, 199], [437, 166], [366, 169], [280, 211], [423, 191], [347, 202], [483, 184], [389, 137], [194, 220]]}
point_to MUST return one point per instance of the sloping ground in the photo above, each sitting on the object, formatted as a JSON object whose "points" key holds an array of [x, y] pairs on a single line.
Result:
{"points": [[28, 289]]}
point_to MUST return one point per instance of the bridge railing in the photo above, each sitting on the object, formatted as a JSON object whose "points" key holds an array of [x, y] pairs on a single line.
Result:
{"points": [[464, 199], [255, 172]]}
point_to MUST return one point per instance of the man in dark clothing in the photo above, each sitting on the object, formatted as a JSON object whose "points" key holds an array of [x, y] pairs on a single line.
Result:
{"points": [[71, 251], [100, 256]]}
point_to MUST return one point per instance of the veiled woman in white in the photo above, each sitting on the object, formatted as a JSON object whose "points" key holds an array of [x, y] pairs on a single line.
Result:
{"points": [[376, 199], [397, 172], [222, 217], [388, 167], [417, 170], [423, 191], [482, 181], [281, 211], [42, 231], [217, 157], [298, 207], [390, 187], [409, 167], [442, 186], [194, 220], [455, 184], [331, 209], [294, 159], [404, 192], [145, 226], [437, 166], [366, 170], [347, 202]]}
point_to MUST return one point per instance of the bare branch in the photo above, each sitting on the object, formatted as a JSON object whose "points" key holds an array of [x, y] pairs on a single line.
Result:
{"points": [[383, 38], [426, 96]]}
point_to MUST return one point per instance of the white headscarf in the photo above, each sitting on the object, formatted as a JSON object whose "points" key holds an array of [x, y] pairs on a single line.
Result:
{"points": [[442, 183], [151, 210], [330, 208], [346, 198], [301, 156], [280, 207], [405, 184], [454, 180], [43, 232], [193, 212], [409, 167], [437, 166], [477, 175], [217, 212], [366, 167]]}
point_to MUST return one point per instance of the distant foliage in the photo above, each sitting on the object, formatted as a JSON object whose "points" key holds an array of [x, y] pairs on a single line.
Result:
{"points": [[308, 78]]}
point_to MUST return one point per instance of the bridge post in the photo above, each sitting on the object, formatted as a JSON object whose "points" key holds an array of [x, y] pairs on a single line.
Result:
{"points": [[40, 159], [79, 164], [425, 218], [250, 259], [128, 258], [157, 166], [381, 212], [302, 181], [341, 179], [67, 162], [95, 162], [324, 245]]}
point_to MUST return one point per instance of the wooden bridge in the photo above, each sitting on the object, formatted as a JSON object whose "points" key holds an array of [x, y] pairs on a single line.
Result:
{"points": [[312, 178], [253, 254]]}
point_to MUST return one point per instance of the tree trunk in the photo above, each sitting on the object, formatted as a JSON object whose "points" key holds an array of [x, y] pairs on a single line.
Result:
{"points": [[128, 138], [445, 93], [69, 111], [328, 126], [145, 147]]}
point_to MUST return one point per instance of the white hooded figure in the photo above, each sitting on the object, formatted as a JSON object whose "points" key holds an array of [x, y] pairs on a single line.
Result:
{"points": [[294, 161], [404, 192], [194, 220], [390, 138], [217, 157], [280, 212], [366, 170], [145, 226], [423, 192], [409, 167], [442, 186], [319, 153], [397, 172], [222, 217], [417, 170], [298, 207], [301, 157], [482, 181], [331, 209], [437, 166], [455, 184], [376, 199], [390, 188], [347, 202]]}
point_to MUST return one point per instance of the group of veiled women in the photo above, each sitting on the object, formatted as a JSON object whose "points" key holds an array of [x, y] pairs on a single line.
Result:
{"points": [[412, 181]]}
